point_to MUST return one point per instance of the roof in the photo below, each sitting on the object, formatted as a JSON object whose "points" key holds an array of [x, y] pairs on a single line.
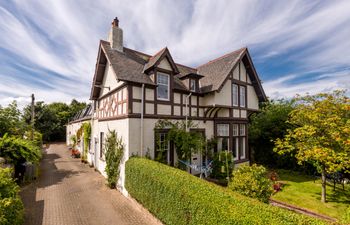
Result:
{"points": [[83, 114], [133, 66], [216, 71]]}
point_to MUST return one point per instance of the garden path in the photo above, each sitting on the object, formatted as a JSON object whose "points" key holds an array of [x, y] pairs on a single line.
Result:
{"points": [[71, 193]]}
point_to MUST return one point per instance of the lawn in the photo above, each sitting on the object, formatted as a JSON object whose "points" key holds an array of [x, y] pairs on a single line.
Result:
{"points": [[305, 191]]}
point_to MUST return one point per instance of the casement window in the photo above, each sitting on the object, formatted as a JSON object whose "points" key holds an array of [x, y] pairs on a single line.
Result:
{"points": [[102, 145], [193, 85], [234, 94], [242, 138], [242, 97], [223, 137], [163, 81], [162, 153]]}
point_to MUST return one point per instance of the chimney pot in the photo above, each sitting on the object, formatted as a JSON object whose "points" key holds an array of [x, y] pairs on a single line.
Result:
{"points": [[115, 22]]}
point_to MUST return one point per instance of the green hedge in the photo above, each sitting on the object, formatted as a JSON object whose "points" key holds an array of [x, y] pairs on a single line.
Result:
{"points": [[11, 206], [177, 197]]}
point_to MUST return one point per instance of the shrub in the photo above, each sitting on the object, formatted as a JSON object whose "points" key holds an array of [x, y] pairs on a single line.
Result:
{"points": [[222, 165], [177, 197], [346, 216], [252, 181], [114, 153], [11, 206]]}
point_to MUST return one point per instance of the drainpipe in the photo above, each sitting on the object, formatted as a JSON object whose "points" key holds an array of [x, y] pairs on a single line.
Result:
{"points": [[187, 97], [92, 141], [142, 112]]}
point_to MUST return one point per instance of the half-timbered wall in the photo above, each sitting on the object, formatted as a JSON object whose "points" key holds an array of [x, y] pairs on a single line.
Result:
{"points": [[113, 105]]}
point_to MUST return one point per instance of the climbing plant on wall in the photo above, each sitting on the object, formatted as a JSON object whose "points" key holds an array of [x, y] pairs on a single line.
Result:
{"points": [[86, 138], [114, 149]]}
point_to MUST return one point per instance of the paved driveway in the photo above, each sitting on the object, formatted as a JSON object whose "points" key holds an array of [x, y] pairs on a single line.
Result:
{"points": [[71, 193]]}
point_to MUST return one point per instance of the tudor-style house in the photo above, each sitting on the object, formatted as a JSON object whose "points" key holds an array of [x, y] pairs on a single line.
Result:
{"points": [[132, 90]]}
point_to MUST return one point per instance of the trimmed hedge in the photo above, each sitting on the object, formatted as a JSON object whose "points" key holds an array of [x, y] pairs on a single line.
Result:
{"points": [[176, 197]]}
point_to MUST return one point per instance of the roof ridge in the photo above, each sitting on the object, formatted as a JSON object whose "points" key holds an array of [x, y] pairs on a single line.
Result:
{"points": [[142, 53], [158, 52], [221, 57], [186, 66]]}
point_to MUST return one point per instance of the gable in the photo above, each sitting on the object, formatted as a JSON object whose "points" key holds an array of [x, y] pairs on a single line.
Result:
{"points": [[109, 81], [165, 64]]}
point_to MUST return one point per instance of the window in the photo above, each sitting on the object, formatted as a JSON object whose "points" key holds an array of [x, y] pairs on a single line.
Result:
{"points": [[102, 152], [241, 130], [223, 140], [242, 152], [162, 148], [235, 129], [242, 97], [163, 86], [234, 94], [193, 86], [222, 130], [235, 148]]}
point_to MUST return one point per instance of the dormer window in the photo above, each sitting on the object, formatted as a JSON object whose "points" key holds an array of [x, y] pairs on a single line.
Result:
{"points": [[163, 81], [193, 85]]}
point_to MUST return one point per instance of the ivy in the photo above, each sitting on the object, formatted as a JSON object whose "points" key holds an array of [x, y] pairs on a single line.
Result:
{"points": [[114, 149], [86, 127]]}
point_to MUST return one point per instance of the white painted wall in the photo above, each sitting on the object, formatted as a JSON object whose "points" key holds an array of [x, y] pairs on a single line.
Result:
{"points": [[109, 80], [253, 101]]}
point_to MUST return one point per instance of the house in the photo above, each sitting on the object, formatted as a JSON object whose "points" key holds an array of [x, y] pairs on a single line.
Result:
{"points": [[132, 90]]}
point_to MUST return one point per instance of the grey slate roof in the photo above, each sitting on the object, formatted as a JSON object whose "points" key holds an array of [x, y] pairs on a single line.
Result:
{"points": [[130, 65], [83, 114]]}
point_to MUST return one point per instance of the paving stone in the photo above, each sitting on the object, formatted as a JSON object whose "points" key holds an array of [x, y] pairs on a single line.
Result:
{"points": [[71, 193]]}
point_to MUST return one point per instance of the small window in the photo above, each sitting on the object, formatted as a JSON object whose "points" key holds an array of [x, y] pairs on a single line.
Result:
{"points": [[242, 130], [163, 86], [242, 96], [234, 94], [235, 148], [193, 85], [243, 150], [102, 145], [223, 130], [162, 148], [235, 129]]}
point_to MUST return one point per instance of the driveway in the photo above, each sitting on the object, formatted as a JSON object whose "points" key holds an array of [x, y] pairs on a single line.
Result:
{"points": [[71, 193]]}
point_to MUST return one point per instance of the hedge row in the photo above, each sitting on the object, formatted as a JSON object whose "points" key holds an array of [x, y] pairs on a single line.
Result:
{"points": [[176, 197], [11, 206]]}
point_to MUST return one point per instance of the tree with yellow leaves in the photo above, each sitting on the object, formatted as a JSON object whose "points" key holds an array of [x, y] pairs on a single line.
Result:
{"points": [[320, 133]]}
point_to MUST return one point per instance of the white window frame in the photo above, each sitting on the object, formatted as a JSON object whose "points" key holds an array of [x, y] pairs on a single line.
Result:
{"points": [[235, 129], [164, 146], [243, 148], [236, 147], [235, 91], [222, 126], [242, 130], [242, 96], [161, 84], [194, 85]]}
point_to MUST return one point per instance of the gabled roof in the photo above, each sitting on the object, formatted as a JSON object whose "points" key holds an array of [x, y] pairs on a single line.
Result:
{"points": [[132, 66], [216, 71], [159, 56]]}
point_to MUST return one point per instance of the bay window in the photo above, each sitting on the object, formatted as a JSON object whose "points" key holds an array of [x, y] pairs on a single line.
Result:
{"points": [[163, 81], [223, 137]]}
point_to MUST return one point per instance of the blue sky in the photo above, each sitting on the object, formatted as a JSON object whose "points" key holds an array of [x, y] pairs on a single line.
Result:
{"points": [[50, 47]]}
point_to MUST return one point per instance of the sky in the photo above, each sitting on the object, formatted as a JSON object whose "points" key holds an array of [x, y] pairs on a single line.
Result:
{"points": [[49, 47]]}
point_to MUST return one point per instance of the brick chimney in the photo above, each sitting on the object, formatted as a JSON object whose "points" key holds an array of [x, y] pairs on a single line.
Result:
{"points": [[115, 36]]}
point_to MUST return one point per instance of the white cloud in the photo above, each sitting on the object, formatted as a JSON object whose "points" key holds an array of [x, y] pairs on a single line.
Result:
{"points": [[62, 37]]}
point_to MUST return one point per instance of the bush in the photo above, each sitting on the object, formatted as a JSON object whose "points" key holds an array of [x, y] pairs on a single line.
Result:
{"points": [[177, 197], [222, 165], [346, 216], [114, 154], [11, 206], [252, 181]]}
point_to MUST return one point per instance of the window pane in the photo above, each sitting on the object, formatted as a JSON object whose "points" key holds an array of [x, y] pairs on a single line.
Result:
{"points": [[223, 144], [242, 96], [235, 148], [235, 129], [242, 130], [223, 130], [192, 85], [163, 86], [235, 94], [243, 148], [162, 148]]}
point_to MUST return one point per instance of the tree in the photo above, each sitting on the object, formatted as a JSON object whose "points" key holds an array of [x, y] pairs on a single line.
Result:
{"points": [[265, 127], [320, 133], [114, 149], [10, 120]]}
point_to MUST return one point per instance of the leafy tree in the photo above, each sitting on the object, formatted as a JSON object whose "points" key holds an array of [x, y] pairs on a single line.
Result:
{"points": [[10, 120], [114, 149], [265, 127], [320, 133]]}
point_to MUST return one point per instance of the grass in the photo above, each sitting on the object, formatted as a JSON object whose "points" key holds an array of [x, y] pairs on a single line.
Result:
{"points": [[305, 191]]}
